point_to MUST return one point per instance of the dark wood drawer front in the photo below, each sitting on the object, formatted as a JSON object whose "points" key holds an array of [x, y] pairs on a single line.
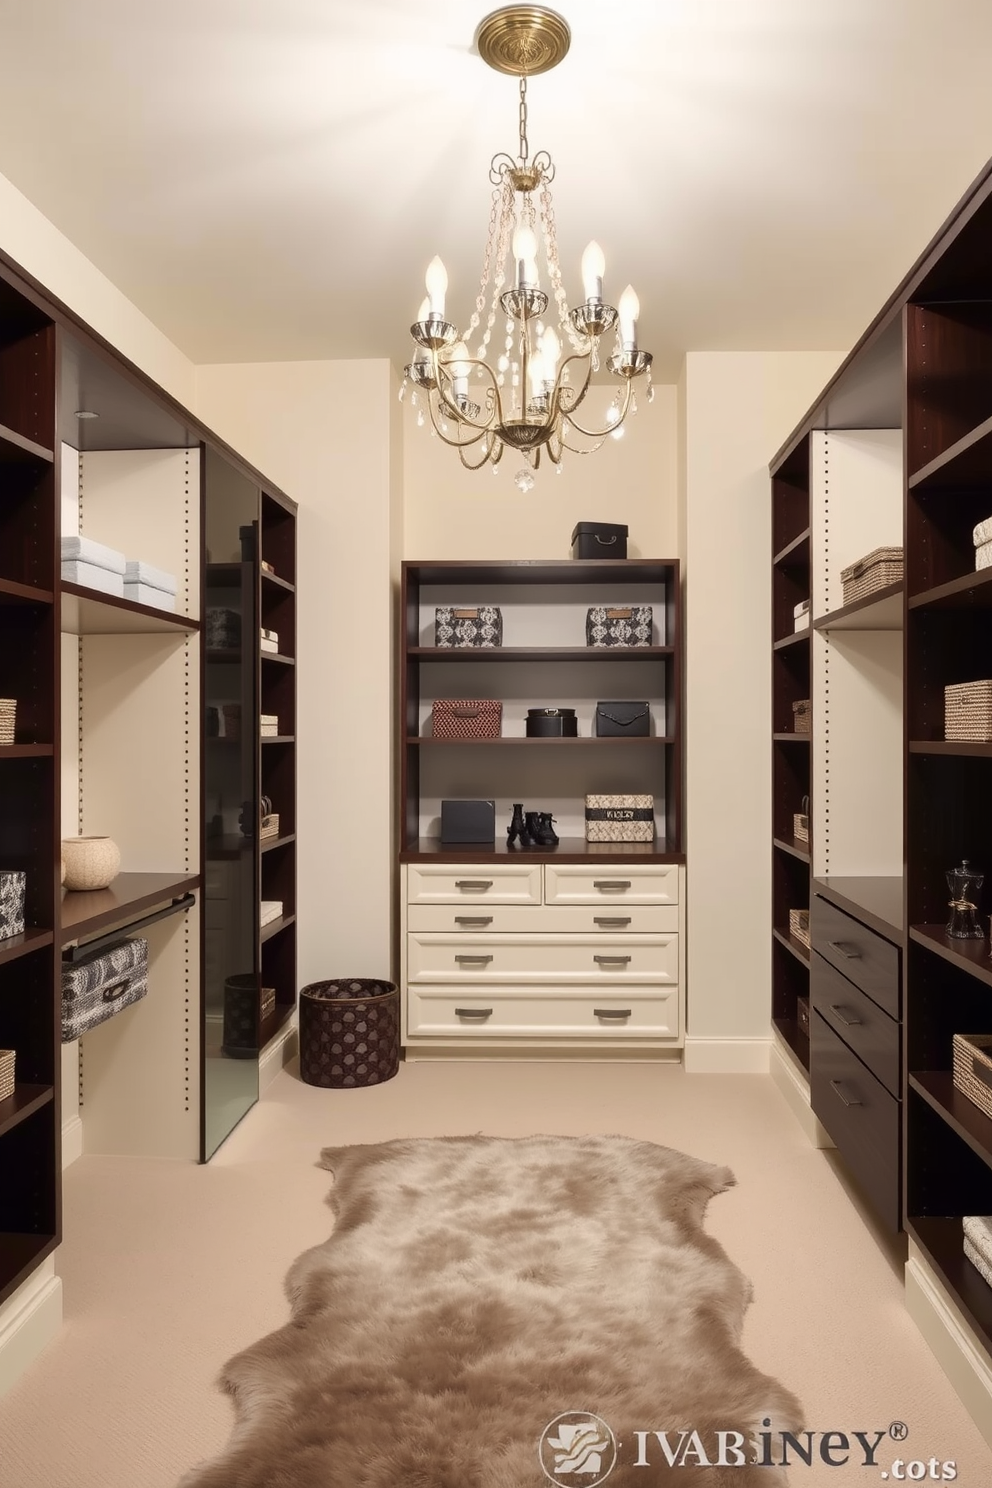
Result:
{"points": [[862, 956], [860, 1115], [869, 1032]]}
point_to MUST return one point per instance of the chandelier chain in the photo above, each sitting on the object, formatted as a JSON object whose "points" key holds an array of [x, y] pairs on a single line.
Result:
{"points": [[554, 267], [524, 144]]}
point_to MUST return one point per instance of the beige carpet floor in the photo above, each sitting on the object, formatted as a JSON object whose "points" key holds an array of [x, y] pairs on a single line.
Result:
{"points": [[169, 1268]]}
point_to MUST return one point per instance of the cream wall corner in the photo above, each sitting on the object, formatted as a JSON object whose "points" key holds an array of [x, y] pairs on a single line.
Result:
{"points": [[325, 432], [738, 409]]}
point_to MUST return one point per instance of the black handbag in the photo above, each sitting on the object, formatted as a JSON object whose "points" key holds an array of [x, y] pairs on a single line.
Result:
{"points": [[623, 720]]}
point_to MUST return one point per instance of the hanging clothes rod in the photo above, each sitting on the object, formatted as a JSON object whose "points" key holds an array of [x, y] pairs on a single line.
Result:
{"points": [[178, 906]]}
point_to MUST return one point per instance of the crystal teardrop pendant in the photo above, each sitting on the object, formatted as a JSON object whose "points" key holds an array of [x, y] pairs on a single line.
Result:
{"points": [[524, 481]]}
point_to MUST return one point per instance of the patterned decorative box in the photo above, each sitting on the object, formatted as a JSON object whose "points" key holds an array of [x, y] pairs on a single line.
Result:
{"points": [[874, 571], [468, 626], [619, 625], [619, 818], [12, 886], [8, 719], [801, 716], [223, 629], [466, 718], [968, 711], [8, 1059], [799, 926], [973, 1068], [99, 986]]}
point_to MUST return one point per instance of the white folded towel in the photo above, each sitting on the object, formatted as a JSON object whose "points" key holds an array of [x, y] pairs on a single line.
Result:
{"points": [[85, 550], [139, 572]]}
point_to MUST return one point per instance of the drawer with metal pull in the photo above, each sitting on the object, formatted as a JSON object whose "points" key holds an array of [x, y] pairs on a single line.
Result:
{"points": [[629, 883], [865, 958], [554, 919], [861, 1117], [527, 1012], [492, 883], [861, 1023], [605, 958]]}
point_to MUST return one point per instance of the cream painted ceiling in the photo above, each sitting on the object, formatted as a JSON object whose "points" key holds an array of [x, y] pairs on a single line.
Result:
{"points": [[268, 179]]}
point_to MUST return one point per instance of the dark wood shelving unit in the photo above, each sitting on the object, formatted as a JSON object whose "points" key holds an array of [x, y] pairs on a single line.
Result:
{"points": [[26, 751], [969, 590], [650, 765], [569, 850], [798, 638], [796, 849], [971, 1124], [15, 449], [882, 610], [25, 1100], [876, 901], [795, 553], [793, 945], [129, 896], [967, 748], [25, 944], [12, 593], [793, 1035], [792, 738], [276, 927], [966, 955], [942, 1242]]}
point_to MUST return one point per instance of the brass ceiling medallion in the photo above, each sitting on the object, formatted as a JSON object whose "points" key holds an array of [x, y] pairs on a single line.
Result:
{"points": [[524, 381], [523, 40]]}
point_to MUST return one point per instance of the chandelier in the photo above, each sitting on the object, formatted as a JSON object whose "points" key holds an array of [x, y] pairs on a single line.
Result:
{"points": [[529, 394]]}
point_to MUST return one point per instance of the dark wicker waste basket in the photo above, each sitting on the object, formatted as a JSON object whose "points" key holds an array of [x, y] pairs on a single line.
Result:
{"points": [[349, 1033]]}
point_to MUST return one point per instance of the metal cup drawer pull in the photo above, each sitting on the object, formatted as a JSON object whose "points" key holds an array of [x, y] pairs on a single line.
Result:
{"points": [[611, 885], [473, 919], [612, 960], [836, 1007], [480, 1013], [612, 1012], [849, 952], [473, 885], [611, 922], [472, 960], [835, 1086]]}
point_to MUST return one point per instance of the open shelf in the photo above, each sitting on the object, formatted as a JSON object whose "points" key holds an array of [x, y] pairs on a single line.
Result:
{"points": [[975, 748], [20, 1253], [25, 1100], [274, 579], [970, 590], [268, 844], [12, 592], [130, 894], [792, 738], [797, 1040], [790, 942], [942, 1242], [505, 740], [963, 465], [800, 850], [569, 850], [277, 656], [15, 449], [275, 926], [26, 751], [539, 653], [87, 612], [971, 956], [24, 944], [278, 739], [882, 610], [799, 638], [792, 551], [962, 1115]]}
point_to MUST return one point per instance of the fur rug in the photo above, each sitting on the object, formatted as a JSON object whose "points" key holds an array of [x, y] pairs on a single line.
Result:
{"points": [[475, 1289]]}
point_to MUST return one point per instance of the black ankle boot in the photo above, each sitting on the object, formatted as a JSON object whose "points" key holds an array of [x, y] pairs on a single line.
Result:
{"points": [[543, 830], [519, 828]]}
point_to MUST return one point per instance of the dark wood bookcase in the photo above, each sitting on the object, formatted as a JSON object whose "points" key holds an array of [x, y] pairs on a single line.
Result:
{"points": [[925, 364]]}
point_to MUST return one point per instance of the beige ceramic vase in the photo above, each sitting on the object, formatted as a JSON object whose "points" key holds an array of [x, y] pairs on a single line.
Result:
{"points": [[90, 862]]}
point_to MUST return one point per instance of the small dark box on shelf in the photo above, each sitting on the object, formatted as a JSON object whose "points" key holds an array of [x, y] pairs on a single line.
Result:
{"points": [[468, 821], [599, 540], [623, 720], [802, 1014]]}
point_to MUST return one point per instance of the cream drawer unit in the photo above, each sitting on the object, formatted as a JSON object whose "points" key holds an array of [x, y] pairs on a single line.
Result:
{"points": [[535, 1012], [558, 919], [546, 959], [611, 884], [500, 883]]}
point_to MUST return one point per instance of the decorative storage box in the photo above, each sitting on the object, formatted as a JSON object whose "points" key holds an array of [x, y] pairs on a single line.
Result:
{"points": [[466, 718], [12, 886], [983, 556], [98, 986], [223, 629], [478, 626], [623, 720], [800, 616], [619, 625], [599, 540], [268, 725], [799, 926], [269, 910], [874, 571], [801, 716], [973, 1068], [619, 818], [552, 723], [977, 1230], [8, 719], [349, 1033], [8, 1059], [968, 711], [800, 822]]}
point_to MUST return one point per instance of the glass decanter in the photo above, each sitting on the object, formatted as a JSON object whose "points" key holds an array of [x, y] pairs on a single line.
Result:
{"points": [[964, 885]]}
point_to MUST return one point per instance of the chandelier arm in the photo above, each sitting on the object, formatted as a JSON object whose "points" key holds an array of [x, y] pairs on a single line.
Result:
{"points": [[452, 443], [601, 434], [486, 455], [451, 408], [574, 449]]}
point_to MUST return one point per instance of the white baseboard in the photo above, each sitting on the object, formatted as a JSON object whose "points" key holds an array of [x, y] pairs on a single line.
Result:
{"points": [[791, 1079], [955, 1347], [29, 1320], [72, 1141], [281, 1050], [722, 1056]]}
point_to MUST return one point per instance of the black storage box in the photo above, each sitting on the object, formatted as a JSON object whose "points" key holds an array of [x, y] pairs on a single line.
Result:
{"points": [[623, 720], [468, 821], [599, 540], [552, 723]]}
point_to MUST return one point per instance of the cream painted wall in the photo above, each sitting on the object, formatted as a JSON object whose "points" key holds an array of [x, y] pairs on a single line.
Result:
{"points": [[32, 242], [324, 432], [450, 512], [739, 408]]}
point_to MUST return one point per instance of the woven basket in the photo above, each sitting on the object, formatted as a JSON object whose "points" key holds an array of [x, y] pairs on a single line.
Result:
{"points": [[799, 926], [874, 571], [968, 711], [800, 826], [8, 717], [349, 1033], [7, 1060], [973, 1068], [802, 715], [269, 826]]}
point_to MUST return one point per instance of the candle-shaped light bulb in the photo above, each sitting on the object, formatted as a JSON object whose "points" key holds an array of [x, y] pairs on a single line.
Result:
{"points": [[536, 372], [628, 309], [460, 366], [551, 352], [437, 283], [593, 269], [525, 253], [425, 309]]}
